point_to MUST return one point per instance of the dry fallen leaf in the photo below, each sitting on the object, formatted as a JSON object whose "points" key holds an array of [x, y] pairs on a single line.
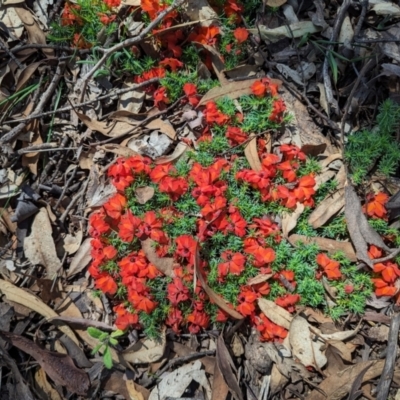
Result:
{"points": [[39, 246], [305, 345], [163, 264], [59, 367], [360, 231], [144, 194], [276, 314], [329, 245], [219, 301], [232, 90], [251, 154], [21, 296], [289, 220], [81, 258], [73, 242], [145, 351], [162, 126], [179, 150]]}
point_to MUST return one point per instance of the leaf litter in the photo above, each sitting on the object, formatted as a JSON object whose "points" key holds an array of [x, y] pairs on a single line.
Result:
{"points": [[49, 253]]}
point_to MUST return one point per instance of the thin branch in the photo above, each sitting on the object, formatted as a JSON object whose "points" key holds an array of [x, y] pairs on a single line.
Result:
{"points": [[85, 103], [13, 134], [126, 43]]}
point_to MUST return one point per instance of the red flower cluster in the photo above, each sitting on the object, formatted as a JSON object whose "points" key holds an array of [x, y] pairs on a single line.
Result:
{"points": [[330, 267], [386, 283], [375, 207]]}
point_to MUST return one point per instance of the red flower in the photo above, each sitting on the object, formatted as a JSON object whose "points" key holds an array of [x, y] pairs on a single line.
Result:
{"points": [[121, 175], [175, 187], [125, 319], [235, 136], [291, 152], [190, 91], [173, 63], [212, 114], [233, 10], [115, 206], [234, 264], [186, 247], [288, 301], [139, 164], [263, 86], [174, 319], [97, 225], [261, 255], [151, 227], [247, 298], [177, 292], [106, 284], [383, 289], [205, 35], [142, 303], [390, 271], [305, 188], [330, 267], [376, 207], [270, 331], [241, 34], [112, 3], [105, 19], [348, 289], [289, 170], [161, 98], [161, 171], [374, 252], [278, 108], [127, 227], [70, 15]]}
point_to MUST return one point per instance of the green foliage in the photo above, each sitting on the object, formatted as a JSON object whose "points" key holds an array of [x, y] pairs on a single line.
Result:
{"points": [[105, 340], [311, 166], [378, 148]]}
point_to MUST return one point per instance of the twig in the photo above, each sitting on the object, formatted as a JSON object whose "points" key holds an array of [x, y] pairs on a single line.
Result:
{"points": [[388, 370], [363, 71], [74, 201], [126, 43], [10, 53], [360, 21], [85, 103], [13, 134], [325, 68], [394, 254]]}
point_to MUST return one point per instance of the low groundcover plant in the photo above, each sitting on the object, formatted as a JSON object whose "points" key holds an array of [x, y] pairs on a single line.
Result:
{"points": [[211, 204]]}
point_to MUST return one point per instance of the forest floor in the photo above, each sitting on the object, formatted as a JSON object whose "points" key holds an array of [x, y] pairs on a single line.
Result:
{"points": [[199, 200]]}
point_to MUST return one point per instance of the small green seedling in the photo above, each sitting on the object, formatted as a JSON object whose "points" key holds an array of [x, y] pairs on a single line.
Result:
{"points": [[106, 339]]}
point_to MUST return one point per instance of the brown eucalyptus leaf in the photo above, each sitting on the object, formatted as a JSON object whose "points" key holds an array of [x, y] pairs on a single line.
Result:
{"points": [[220, 389], [329, 207], [162, 126], [118, 149], [275, 313], [39, 246], [226, 365], [217, 63], [59, 367], [146, 350], [163, 264], [250, 151], [329, 245], [313, 150], [232, 90], [144, 194], [289, 220], [219, 301], [338, 385], [361, 233]]}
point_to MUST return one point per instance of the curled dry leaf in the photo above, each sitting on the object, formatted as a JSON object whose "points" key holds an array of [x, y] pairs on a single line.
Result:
{"points": [[175, 384], [329, 245], [219, 301], [39, 246], [329, 207], [163, 264], [306, 346], [226, 365], [251, 154], [289, 220], [200, 11], [144, 194], [73, 242], [145, 351], [59, 367], [20, 296], [259, 279], [81, 258], [276, 314], [336, 386], [179, 150], [162, 126]]}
